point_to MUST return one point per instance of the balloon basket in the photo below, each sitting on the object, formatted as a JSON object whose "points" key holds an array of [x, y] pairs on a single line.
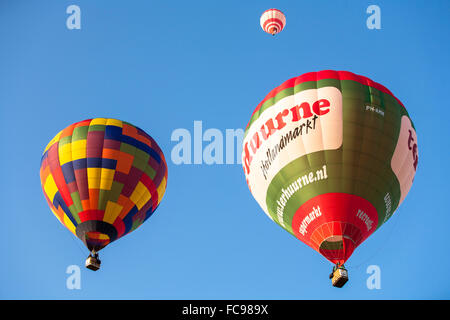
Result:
{"points": [[93, 263], [340, 277]]}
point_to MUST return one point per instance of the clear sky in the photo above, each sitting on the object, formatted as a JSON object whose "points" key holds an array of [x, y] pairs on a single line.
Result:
{"points": [[163, 64]]}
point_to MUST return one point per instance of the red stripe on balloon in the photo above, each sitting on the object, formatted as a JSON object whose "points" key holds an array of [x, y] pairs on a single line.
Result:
{"points": [[58, 176], [145, 179], [120, 227], [274, 20], [273, 9], [88, 215], [335, 216], [321, 75]]}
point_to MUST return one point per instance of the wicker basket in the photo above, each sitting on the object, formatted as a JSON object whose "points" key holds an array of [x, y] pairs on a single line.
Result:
{"points": [[340, 277]]}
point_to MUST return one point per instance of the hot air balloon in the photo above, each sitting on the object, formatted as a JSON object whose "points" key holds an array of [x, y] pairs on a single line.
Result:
{"points": [[102, 179], [272, 21], [329, 156]]}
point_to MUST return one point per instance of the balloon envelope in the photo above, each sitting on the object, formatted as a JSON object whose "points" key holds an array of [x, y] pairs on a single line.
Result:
{"points": [[102, 179], [329, 156], [272, 21]]}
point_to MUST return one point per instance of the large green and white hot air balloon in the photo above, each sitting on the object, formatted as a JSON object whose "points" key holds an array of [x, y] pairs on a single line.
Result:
{"points": [[329, 156]]}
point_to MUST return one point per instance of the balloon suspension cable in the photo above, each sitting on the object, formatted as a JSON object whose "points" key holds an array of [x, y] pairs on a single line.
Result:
{"points": [[338, 265]]}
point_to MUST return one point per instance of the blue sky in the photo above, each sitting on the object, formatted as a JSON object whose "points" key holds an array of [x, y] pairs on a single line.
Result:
{"points": [[163, 64]]}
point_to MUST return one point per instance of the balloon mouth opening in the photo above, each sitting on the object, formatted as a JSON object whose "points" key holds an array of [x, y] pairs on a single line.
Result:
{"points": [[96, 240], [96, 234], [337, 248]]}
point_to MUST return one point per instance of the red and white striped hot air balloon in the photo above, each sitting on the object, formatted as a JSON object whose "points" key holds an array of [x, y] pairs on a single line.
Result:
{"points": [[273, 21]]}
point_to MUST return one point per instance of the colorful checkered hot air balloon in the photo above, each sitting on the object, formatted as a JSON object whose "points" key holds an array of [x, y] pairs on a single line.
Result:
{"points": [[102, 179], [329, 156], [272, 21]]}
